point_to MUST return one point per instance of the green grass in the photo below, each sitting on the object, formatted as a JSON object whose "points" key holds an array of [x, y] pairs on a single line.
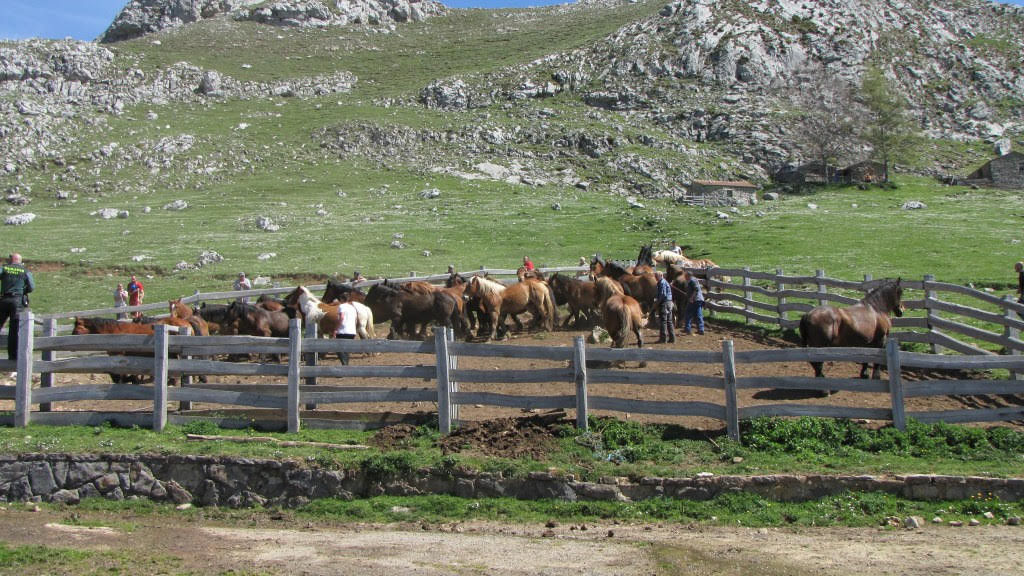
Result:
{"points": [[612, 448], [21, 560]]}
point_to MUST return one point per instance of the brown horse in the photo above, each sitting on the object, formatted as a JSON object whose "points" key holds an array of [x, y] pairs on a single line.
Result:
{"points": [[643, 287], [620, 313], [183, 311], [408, 308], [325, 316], [500, 302], [87, 325], [578, 295], [256, 321], [865, 324]]}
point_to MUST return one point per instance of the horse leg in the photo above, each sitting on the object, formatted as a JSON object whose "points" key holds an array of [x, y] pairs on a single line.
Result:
{"points": [[818, 373]]}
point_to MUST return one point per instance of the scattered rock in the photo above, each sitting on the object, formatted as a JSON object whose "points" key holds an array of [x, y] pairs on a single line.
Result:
{"points": [[430, 193], [974, 522], [812, 205], [266, 224], [913, 205], [1013, 521], [19, 219], [556, 206], [266, 256], [397, 244], [176, 205], [913, 522]]}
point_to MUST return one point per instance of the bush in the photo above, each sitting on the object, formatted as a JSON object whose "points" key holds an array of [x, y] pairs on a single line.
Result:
{"points": [[825, 436]]}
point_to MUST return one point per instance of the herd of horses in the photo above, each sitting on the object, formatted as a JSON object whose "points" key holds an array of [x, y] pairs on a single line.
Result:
{"points": [[611, 295]]}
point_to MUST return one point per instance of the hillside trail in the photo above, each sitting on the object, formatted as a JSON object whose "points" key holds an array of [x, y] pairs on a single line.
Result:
{"points": [[270, 543]]}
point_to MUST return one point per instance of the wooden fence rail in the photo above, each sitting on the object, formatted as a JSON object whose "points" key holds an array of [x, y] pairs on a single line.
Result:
{"points": [[182, 355]]}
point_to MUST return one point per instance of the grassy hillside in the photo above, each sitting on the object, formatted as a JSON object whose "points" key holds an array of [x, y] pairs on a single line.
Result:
{"points": [[261, 158]]}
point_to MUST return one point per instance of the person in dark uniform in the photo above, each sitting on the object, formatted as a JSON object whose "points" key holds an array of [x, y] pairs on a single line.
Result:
{"points": [[15, 284]]}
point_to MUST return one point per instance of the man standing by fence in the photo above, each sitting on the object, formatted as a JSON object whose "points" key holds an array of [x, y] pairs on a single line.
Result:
{"points": [[694, 304], [15, 284], [242, 283], [663, 301], [135, 294]]}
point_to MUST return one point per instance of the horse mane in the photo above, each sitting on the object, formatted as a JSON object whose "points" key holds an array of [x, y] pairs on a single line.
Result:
{"points": [[488, 287], [885, 297], [94, 321], [608, 287]]}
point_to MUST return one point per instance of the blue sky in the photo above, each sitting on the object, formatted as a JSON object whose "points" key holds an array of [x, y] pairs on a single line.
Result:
{"points": [[87, 19]]}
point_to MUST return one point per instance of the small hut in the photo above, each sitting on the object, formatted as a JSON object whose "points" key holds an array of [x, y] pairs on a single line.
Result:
{"points": [[720, 193], [1006, 171]]}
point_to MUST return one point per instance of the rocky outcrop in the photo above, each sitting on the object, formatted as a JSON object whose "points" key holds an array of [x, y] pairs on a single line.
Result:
{"points": [[244, 482], [50, 89], [720, 71], [141, 17]]}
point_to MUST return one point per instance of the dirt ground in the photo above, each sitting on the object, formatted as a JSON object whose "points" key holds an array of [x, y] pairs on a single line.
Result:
{"points": [[270, 544], [744, 339]]}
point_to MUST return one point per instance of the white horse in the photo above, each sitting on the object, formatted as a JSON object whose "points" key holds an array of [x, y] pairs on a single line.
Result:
{"points": [[671, 257], [326, 315]]}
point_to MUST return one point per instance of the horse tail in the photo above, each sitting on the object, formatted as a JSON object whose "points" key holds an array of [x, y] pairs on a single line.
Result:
{"points": [[805, 328]]}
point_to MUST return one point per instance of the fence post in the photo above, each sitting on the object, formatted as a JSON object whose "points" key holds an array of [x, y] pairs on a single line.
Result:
{"points": [[311, 359], [453, 365], [186, 379], [747, 295], [779, 287], [732, 412], [892, 363], [23, 392], [1014, 333], [46, 378], [160, 332], [444, 390], [579, 364], [819, 278], [930, 314], [294, 366]]}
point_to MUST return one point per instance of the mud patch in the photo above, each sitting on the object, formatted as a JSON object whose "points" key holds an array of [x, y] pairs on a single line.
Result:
{"points": [[530, 437]]}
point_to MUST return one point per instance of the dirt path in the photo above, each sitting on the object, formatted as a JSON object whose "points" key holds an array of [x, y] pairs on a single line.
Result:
{"points": [[259, 544]]}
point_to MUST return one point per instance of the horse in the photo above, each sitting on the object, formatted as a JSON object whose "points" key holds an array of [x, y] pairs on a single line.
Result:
{"points": [[668, 257], [620, 313], [500, 302], [313, 310], [522, 273], [177, 309], [256, 321], [408, 308], [645, 263], [90, 325], [342, 291], [578, 295], [214, 315], [864, 324], [643, 287]]}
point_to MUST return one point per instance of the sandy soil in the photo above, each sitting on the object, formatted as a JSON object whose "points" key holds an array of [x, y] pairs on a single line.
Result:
{"points": [[267, 545]]}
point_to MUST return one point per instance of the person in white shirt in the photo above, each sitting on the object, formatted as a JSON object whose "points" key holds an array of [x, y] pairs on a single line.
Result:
{"points": [[347, 326], [242, 283], [120, 300]]}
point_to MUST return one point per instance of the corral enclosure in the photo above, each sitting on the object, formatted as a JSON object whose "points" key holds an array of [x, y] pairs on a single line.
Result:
{"points": [[706, 381]]}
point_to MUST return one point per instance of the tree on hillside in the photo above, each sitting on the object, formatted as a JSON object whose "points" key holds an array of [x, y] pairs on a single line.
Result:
{"points": [[886, 128], [826, 127]]}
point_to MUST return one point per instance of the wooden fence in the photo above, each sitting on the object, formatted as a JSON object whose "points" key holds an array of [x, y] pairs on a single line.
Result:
{"points": [[931, 318], [193, 355]]}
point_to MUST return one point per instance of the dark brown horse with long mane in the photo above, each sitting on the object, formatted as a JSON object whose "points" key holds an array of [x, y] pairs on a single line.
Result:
{"points": [[579, 296], [865, 324], [643, 287], [408, 308]]}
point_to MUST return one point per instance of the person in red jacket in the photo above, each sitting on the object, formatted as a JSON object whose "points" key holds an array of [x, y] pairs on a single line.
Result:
{"points": [[528, 264], [135, 294]]}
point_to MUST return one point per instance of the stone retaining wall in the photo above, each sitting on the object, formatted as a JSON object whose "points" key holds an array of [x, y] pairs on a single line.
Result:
{"points": [[242, 482]]}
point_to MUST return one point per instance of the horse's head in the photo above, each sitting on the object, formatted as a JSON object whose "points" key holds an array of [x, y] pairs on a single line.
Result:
{"points": [[887, 298], [81, 326]]}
